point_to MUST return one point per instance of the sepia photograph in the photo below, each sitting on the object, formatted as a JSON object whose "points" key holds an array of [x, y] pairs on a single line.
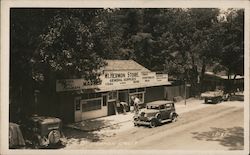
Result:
{"points": [[126, 78]]}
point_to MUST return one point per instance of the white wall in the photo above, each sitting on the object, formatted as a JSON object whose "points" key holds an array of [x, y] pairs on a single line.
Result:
{"points": [[95, 113]]}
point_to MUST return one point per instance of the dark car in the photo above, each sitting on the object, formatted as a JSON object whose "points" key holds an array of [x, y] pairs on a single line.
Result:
{"points": [[42, 132], [156, 113], [213, 96]]}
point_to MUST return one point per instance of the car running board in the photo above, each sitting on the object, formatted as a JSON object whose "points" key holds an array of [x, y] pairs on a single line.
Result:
{"points": [[167, 120]]}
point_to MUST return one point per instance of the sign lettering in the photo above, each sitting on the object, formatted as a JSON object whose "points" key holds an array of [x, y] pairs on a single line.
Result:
{"points": [[111, 79]]}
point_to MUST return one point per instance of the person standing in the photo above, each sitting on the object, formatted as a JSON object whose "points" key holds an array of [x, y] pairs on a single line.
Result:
{"points": [[136, 103]]}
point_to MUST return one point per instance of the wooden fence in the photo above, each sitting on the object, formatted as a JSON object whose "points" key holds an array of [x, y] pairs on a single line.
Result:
{"points": [[177, 91]]}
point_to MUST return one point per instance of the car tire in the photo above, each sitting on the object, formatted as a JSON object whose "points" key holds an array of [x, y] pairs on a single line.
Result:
{"points": [[174, 117], [153, 123]]}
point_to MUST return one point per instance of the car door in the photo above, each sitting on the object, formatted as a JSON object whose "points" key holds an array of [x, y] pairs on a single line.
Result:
{"points": [[163, 112], [168, 110]]}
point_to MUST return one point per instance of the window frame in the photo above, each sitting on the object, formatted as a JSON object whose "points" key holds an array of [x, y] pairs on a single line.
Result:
{"points": [[112, 94], [136, 93], [99, 98]]}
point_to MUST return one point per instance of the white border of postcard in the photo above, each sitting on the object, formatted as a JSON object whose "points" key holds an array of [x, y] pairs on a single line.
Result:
{"points": [[7, 4]]}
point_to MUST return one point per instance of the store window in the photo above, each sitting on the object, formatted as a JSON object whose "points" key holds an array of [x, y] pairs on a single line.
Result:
{"points": [[91, 95], [112, 95], [98, 95], [139, 95], [91, 105], [86, 96]]}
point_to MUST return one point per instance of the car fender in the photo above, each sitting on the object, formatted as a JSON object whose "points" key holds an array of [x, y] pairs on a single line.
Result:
{"points": [[172, 113], [151, 118], [157, 116]]}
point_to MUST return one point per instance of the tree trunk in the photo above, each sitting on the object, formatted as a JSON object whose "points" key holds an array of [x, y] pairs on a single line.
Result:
{"points": [[202, 76], [229, 83], [233, 84]]}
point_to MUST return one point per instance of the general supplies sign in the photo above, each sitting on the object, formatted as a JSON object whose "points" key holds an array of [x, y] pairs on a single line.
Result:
{"points": [[120, 78]]}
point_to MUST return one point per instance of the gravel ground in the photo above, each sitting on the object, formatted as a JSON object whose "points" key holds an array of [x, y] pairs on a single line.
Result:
{"points": [[126, 136]]}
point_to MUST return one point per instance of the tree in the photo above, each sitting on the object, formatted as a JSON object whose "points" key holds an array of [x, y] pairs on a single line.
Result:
{"points": [[206, 41], [66, 50], [24, 31], [232, 51], [232, 55], [191, 42], [50, 44]]}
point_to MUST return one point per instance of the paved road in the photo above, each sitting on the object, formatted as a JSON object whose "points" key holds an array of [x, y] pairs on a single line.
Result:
{"points": [[216, 127]]}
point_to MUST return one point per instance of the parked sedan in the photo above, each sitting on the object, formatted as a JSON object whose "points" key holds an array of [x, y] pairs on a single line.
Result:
{"points": [[156, 113]]}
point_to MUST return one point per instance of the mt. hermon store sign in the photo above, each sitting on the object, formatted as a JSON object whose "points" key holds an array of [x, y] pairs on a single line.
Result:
{"points": [[115, 80]]}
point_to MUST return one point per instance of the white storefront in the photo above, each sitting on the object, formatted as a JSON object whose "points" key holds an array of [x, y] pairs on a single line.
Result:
{"points": [[116, 85]]}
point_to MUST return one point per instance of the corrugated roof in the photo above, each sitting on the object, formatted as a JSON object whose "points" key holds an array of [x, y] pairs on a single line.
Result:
{"points": [[113, 65]]}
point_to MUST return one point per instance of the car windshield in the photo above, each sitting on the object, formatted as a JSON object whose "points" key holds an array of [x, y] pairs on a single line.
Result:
{"points": [[152, 107]]}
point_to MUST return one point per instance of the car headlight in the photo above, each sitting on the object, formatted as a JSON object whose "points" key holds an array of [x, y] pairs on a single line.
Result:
{"points": [[54, 136], [135, 118]]}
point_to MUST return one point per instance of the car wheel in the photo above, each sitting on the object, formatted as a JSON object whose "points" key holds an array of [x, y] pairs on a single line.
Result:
{"points": [[174, 118], [153, 123]]}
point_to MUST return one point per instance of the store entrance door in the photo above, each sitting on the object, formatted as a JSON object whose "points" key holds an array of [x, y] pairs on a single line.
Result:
{"points": [[111, 108], [123, 96]]}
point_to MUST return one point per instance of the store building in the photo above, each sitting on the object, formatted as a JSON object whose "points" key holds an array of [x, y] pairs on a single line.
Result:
{"points": [[120, 79]]}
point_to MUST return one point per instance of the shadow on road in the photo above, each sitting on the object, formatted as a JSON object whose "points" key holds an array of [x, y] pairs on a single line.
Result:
{"points": [[76, 136], [233, 138], [89, 131]]}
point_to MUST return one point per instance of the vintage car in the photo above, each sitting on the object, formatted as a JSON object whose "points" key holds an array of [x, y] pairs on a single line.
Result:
{"points": [[213, 96], [44, 132], [156, 113]]}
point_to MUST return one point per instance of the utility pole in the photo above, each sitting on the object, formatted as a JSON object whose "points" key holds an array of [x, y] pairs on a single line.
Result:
{"points": [[185, 94]]}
